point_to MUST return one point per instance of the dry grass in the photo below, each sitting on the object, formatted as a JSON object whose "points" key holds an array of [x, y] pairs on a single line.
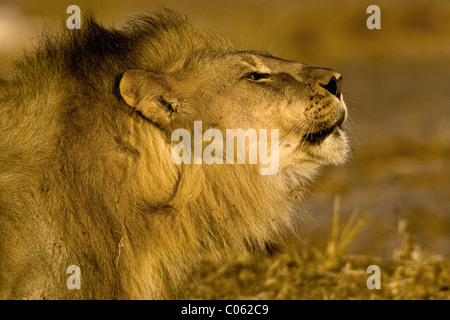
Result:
{"points": [[303, 271]]}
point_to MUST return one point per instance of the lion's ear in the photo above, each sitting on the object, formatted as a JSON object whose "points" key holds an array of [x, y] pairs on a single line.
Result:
{"points": [[152, 94]]}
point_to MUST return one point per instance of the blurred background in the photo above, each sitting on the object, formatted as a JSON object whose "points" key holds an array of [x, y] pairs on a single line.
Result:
{"points": [[396, 84]]}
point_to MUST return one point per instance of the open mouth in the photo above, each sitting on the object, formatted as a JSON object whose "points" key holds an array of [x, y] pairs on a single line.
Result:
{"points": [[319, 136]]}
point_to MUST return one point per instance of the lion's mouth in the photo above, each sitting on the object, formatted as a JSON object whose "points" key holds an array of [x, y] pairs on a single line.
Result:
{"points": [[318, 136]]}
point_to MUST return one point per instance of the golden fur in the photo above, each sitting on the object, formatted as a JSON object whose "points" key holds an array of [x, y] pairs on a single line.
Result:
{"points": [[86, 176]]}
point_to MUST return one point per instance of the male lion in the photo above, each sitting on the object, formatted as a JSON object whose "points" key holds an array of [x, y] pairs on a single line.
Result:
{"points": [[86, 171]]}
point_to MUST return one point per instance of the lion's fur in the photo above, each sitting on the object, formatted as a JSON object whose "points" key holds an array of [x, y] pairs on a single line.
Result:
{"points": [[85, 180]]}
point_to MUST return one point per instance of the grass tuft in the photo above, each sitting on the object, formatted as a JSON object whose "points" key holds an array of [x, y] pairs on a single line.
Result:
{"points": [[305, 271]]}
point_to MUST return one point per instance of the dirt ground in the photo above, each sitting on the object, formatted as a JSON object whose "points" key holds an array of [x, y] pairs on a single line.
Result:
{"points": [[396, 87]]}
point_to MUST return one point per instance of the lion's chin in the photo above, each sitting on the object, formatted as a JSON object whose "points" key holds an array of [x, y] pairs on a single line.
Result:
{"points": [[333, 148], [315, 138]]}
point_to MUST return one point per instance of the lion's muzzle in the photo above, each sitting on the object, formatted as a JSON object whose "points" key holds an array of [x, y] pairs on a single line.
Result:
{"points": [[318, 136]]}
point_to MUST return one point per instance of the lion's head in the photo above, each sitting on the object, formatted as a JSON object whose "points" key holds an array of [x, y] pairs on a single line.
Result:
{"points": [[249, 90], [90, 121]]}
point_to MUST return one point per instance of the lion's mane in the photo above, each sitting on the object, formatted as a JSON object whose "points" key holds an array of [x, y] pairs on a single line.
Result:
{"points": [[85, 180]]}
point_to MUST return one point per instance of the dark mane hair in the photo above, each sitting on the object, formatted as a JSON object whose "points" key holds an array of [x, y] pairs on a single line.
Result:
{"points": [[162, 42]]}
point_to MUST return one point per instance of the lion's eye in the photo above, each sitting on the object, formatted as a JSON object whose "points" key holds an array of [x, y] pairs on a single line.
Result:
{"points": [[255, 76]]}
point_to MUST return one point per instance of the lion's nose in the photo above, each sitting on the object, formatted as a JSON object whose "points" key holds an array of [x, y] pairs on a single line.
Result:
{"points": [[334, 86], [325, 78]]}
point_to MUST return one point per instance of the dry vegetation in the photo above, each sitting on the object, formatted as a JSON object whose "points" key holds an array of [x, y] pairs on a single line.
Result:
{"points": [[304, 271]]}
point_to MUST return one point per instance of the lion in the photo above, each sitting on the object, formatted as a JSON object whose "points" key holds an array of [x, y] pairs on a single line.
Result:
{"points": [[87, 177]]}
